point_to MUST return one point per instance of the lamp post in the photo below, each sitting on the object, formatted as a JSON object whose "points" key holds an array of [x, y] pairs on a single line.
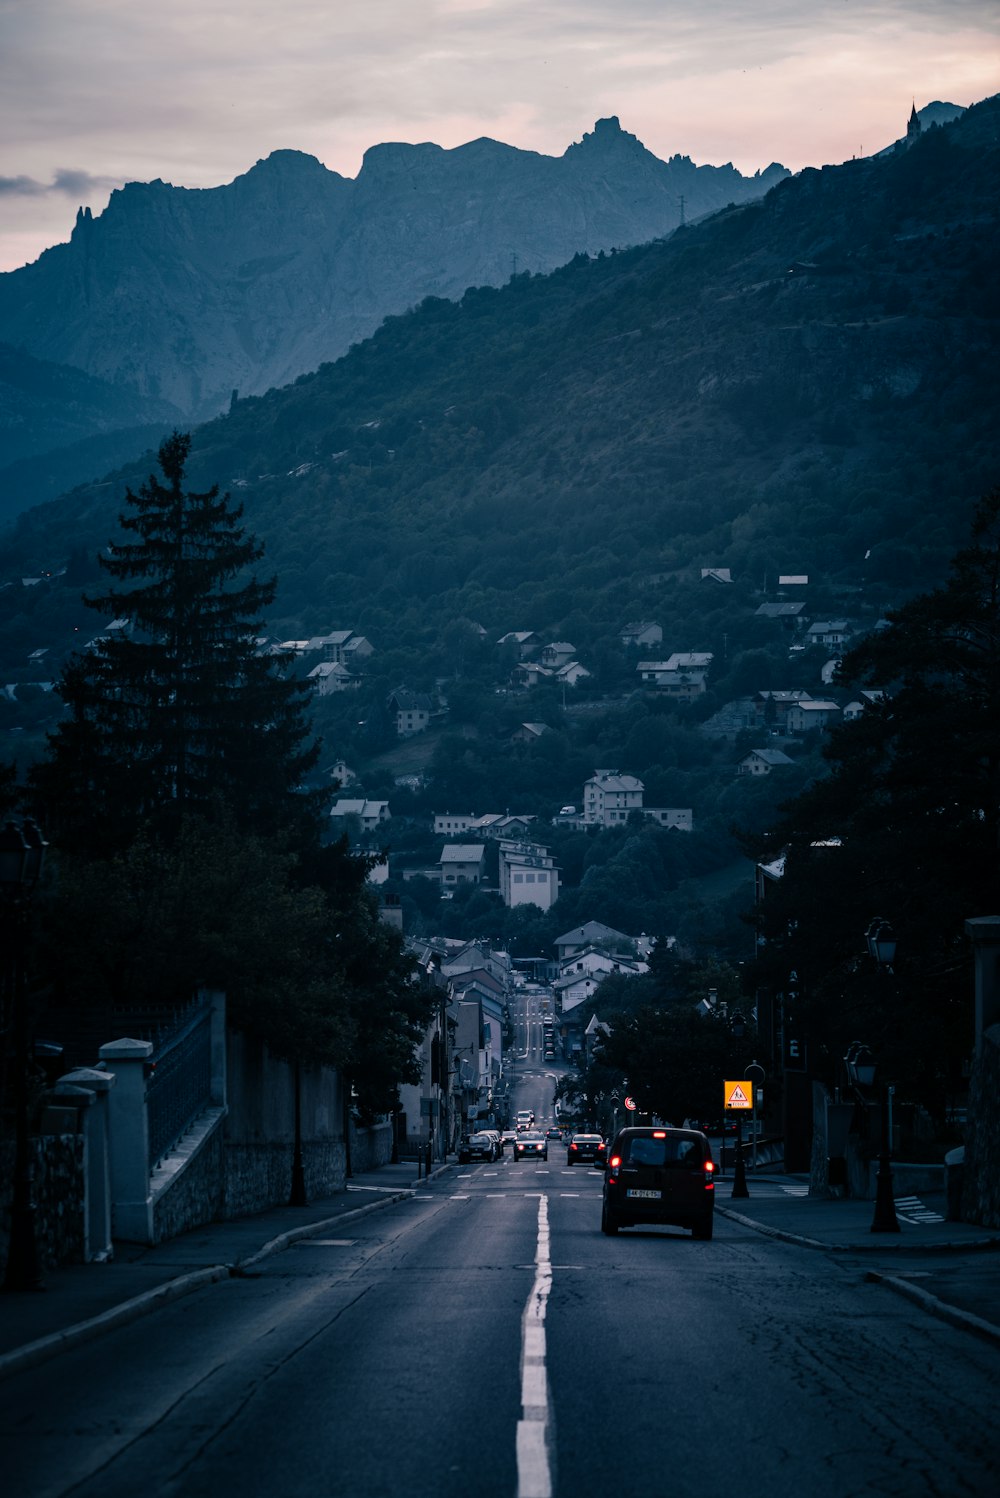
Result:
{"points": [[22, 853], [881, 941], [737, 1027]]}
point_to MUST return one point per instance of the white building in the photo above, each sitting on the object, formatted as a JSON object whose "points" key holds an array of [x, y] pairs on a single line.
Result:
{"points": [[610, 798], [528, 875]]}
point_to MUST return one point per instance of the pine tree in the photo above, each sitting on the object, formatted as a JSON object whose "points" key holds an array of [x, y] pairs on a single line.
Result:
{"points": [[174, 711]]}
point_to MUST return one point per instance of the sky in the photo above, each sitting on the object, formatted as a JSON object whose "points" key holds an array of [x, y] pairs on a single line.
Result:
{"points": [[95, 93]]}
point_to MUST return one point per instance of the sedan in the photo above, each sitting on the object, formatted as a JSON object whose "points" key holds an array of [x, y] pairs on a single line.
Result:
{"points": [[587, 1147], [535, 1145]]}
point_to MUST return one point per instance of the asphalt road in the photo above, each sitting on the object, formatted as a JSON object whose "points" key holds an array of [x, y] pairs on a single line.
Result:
{"points": [[483, 1340]]}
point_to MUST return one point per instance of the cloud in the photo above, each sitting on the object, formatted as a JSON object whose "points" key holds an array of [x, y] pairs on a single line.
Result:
{"points": [[21, 187], [73, 183]]}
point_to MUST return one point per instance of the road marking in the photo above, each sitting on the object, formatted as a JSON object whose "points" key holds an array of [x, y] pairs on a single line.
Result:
{"points": [[534, 1473], [461, 1198]]}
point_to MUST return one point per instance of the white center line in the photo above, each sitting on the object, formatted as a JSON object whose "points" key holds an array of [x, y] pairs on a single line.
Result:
{"points": [[534, 1474]]}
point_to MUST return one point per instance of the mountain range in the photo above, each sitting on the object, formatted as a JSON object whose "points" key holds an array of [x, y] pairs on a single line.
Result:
{"points": [[806, 383], [173, 298]]}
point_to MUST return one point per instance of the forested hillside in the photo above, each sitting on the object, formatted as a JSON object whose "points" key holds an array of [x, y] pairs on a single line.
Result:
{"points": [[807, 385]]}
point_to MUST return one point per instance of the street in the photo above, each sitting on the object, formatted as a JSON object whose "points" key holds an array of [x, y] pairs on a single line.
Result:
{"points": [[483, 1340]]}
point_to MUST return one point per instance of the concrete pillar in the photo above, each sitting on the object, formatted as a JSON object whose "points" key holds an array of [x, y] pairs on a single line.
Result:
{"points": [[97, 1157], [131, 1200], [985, 933]]}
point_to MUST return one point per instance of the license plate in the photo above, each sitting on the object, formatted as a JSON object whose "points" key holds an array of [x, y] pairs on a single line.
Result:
{"points": [[650, 1196]]}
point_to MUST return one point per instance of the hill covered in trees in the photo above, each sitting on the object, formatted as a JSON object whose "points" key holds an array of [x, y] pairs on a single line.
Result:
{"points": [[805, 385]]}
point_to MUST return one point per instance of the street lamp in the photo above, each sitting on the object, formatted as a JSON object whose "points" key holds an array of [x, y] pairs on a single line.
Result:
{"points": [[22, 853], [881, 940]]}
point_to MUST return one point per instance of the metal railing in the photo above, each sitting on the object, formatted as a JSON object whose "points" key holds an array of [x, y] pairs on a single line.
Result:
{"points": [[179, 1085]]}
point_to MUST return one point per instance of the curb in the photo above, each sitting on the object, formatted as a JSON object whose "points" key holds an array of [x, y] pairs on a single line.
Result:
{"points": [[965, 1320], [882, 1245], [33, 1353]]}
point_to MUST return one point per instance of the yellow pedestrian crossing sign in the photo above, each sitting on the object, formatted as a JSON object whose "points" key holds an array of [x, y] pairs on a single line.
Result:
{"points": [[738, 1095]]}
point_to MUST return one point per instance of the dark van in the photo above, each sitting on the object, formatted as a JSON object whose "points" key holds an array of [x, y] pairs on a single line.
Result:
{"points": [[659, 1176]]}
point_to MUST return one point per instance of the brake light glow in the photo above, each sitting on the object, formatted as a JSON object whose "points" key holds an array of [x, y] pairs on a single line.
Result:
{"points": [[659, 1133], [615, 1161], [709, 1167], [573, 1146]]}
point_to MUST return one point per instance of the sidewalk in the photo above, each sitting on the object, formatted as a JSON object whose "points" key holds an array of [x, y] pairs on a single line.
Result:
{"points": [[81, 1301]]}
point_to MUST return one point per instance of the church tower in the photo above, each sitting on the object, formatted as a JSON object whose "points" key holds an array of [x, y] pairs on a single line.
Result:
{"points": [[913, 125]]}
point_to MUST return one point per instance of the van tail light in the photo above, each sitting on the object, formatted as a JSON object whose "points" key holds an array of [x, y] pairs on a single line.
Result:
{"points": [[709, 1169], [613, 1167]]}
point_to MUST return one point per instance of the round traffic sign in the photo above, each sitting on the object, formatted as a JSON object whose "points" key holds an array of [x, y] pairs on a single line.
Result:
{"points": [[630, 1104]]}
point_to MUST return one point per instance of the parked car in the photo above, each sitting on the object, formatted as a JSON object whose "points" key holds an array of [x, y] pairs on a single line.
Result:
{"points": [[659, 1176], [476, 1147], [497, 1138], [532, 1143], [586, 1147]]}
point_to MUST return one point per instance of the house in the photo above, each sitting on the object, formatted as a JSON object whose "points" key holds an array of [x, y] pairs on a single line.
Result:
{"points": [[341, 647], [641, 633], [523, 641], [574, 990], [597, 964], [370, 814], [679, 818], [789, 615], [762, 762], [595, 934], [571, 674], [531, 673], [329, 677], [609, 798], [829, 632], [812, 713], [495, 826], [716, 574], [793, 580], [690, 660], [528, 875], [770, 709], [356, 650], [557, 654], [462, 863], [529, 733], [412, 710], [854, 709], [341, 771], [451, 824], [684, 685]]}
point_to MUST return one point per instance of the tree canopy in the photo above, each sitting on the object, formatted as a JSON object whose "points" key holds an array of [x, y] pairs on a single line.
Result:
{"points": [[173, 708]]}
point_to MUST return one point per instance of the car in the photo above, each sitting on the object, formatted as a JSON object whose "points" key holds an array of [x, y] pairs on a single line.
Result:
{"points": [[476, 1147], [586, 1147], [509, 1136], [555, 1134], [497, 1138], [532, 1143], [525, 1120], [659, 1176]]}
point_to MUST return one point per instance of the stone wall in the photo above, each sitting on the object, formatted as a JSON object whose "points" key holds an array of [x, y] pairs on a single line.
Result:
{"points": [[371, 1148], [195, 1196], [981, 1181], [58, 1196], [260, 1129]]}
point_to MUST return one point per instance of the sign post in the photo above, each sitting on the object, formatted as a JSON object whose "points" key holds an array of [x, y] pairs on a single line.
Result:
{"points": [[738, 1100]]}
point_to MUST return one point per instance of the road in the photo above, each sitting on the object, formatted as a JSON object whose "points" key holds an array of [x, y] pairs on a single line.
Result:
{"points": [[483, 1340]]}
